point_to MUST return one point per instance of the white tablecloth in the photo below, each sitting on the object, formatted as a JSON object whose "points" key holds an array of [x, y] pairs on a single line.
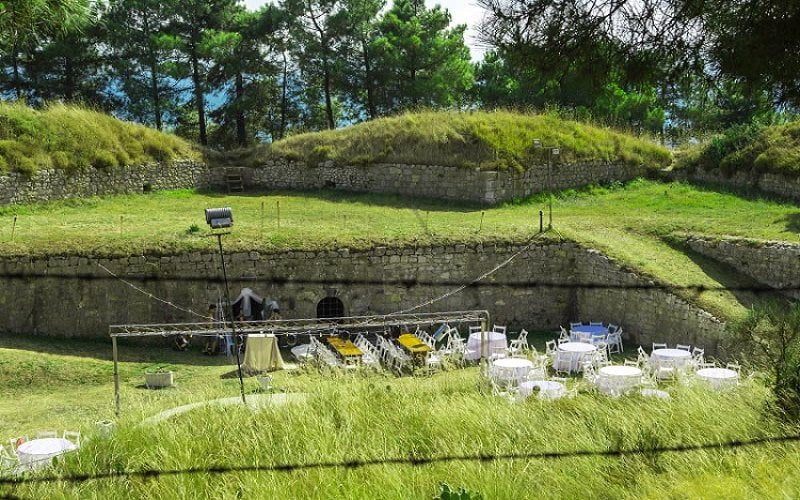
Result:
{"points": [[718, 378], [491, 340], [571, 355], [39, 452], [548, 389], [670, 357], [508, 369], [616, 379]]}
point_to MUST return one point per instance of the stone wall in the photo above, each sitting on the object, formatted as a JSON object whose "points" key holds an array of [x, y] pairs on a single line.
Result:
{"points": [[767, 182], [425, 181], [58, 184], [73, 296], [773, 263]]}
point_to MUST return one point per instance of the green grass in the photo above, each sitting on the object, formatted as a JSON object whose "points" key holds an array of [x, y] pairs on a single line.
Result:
{"points": [[373, 417], [636, 224], [487, 140], [74, 138], [746, 148]]}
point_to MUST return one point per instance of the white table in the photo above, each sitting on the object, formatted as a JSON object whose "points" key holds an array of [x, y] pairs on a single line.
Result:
{"points": [[491, 340], [571, 355], [510, 369], [617, 380], [548, 389], [670, 357], [39, 453], [718, 378]]}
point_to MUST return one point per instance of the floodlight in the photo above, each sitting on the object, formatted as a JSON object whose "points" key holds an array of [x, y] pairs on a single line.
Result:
{"points": [[219, 218]]}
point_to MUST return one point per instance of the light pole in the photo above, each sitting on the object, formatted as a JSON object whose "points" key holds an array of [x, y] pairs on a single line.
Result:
{"points": [[551, 153], [222, 218]]}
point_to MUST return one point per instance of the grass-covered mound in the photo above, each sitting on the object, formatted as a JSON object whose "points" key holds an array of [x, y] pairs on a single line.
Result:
{"points": [[488, 140], [75, 138], [746, 148]]}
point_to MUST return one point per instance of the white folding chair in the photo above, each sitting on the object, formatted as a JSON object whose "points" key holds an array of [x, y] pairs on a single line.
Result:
{"points": [[73, 437], [658, 345], [499, 329], [573, 325], [735, 367], [563, 335], [46, 434], [9, 461], [595, 323], [614, 341], [631, 362], [520, 344], [684, 347], [612, 328]]}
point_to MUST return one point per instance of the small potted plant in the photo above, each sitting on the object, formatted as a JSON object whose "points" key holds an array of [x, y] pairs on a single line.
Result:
{"points": [[157, 377]]}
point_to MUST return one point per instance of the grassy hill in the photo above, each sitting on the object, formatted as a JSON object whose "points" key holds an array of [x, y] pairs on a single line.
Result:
{"points": [[487, 140], [747, 148], [73, 138]]}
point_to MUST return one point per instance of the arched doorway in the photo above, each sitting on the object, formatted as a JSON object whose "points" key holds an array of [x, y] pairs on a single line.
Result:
{"points": [[330, 307]]}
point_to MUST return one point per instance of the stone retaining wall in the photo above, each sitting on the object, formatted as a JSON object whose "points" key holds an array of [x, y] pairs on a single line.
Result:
{"points": [[773, 263], [73, 296], [777, 184], [58, 184], [425, 181]]}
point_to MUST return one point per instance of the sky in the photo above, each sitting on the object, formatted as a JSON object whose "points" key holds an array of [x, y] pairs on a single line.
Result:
{"points": [[462, 12]]}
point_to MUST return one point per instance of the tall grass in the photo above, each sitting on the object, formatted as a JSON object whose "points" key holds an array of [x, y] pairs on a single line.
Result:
{"points": [[487, 140], [355, 418], [74, 138]]}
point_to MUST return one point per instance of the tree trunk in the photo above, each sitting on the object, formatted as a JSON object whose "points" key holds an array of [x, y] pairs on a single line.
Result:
{"points": [[284, 83], [373, 112], [15, 71], [155, 95], [326, 83], [69, 79], [241, 131], [199, 98]]}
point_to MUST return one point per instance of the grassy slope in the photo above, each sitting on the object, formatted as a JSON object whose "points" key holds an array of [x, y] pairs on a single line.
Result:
{"points": [[632, 224], [748, 147], [70, 137], [495, 140], [363, 418]]}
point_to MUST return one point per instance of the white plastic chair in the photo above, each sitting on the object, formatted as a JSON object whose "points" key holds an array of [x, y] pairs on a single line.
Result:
{"points": [[684, 347], [612, 328], [563, 335], [573, 325], [589, 372], [73, 437], [658, 345], [46, 434], [499, 329], [631, 362], [735, 367], [9, 461], [595, 323]]}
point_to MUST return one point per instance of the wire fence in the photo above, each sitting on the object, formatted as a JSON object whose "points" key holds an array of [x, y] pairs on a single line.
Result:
{"points": [[414, 461]]}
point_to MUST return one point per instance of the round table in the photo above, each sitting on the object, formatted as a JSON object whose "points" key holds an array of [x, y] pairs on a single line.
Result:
{"points": [[577, 333], [40, 452], [718, 378], [670, 357], [509, 369], [548, 389], [571, 354], [491, 340], [617, 379]]}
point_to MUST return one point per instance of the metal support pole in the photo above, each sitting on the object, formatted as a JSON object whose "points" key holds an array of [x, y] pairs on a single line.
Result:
{"points": [[550, 182], [237, 340], [116, 376]]}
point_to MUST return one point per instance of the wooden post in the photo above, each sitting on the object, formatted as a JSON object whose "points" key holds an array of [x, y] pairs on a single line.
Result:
{"points": [[13, 227], [116, 376], [278, 206]]}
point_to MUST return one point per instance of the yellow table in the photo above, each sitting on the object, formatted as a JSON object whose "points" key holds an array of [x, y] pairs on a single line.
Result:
{"points": [[412, 344], [262, 353], [345, 348]]}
